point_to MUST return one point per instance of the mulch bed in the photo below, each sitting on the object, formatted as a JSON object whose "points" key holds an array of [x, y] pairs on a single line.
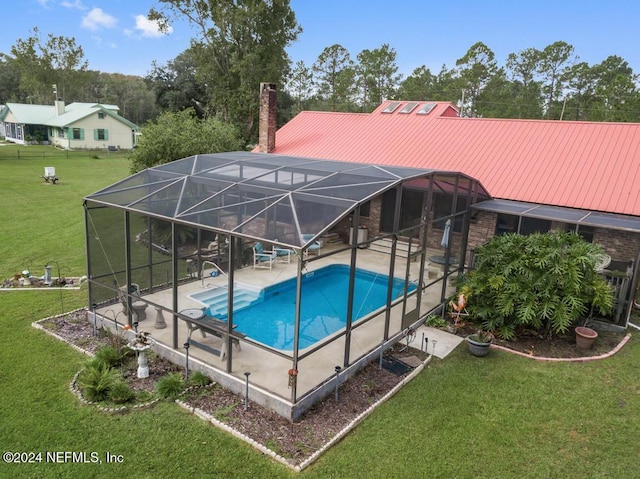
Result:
{"points": [[297, 441], [559, 346]]}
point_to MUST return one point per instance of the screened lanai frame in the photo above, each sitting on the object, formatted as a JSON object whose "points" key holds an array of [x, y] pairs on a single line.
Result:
{"points": [[277, 200]]}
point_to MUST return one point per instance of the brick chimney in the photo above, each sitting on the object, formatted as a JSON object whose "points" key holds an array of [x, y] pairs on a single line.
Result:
{"points": [[267, 126]]}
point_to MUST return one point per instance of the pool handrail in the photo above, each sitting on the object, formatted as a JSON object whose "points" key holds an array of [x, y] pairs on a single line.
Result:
{"points": [[212, 264]]}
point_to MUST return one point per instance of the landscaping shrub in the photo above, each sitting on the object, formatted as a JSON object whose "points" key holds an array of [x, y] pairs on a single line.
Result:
{"points": [[543, 281], [121, 393], [109, 356], [170, 386], [198, 378], [97, 379]]}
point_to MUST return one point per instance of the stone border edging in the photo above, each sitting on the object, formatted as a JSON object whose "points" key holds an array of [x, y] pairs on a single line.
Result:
{"points": [[72, 386], [583, 359], [115, 409], [37, 325], [313, 457]]}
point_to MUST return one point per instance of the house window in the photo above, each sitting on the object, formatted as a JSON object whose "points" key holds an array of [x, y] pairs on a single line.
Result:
{"points": [[586, 232], [506, 224], [534, 225], [365, 209], [522, 225], [78, 134], [100, 134], [101, 115]]}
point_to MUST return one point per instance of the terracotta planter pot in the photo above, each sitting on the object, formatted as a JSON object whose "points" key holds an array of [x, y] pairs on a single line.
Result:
{"points": [[585, 337]]}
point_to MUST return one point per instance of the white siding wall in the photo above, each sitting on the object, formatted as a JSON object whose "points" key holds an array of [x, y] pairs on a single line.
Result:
{"points": [[119, 134]]}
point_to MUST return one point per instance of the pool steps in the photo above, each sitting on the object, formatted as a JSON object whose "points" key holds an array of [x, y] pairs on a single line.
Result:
{"points": [[217, 300]]}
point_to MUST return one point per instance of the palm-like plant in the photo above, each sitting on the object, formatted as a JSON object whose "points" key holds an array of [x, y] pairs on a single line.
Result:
{"points": [[542, 281]]}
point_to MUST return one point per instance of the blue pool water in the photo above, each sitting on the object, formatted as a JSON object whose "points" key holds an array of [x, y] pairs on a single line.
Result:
{"points": [[269, 319]]}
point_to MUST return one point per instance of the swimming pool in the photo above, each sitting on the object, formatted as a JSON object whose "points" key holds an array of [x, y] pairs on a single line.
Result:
{"points": [[269, 318]]}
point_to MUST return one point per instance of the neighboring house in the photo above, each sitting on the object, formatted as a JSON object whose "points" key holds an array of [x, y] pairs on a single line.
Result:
{"points": [[74, 126], [542, 175], [2, 133]]}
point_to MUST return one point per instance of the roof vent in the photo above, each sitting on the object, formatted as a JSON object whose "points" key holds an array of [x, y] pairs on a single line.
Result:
{"points": [[426, 109], [391, 107], [409, 107]]}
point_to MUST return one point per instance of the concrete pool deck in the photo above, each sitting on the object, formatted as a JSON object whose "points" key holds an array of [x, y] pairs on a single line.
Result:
{"points": [[269, 371]]}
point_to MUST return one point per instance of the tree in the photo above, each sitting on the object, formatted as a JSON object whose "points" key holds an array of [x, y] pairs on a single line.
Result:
{"points": [[242, 42], [335, 73], [555, 60], [58, 62], [615, 90], [376, 75], [498, 99], [9, 80], [176, 135], [419, 85], [544, 281], [521, 70], [476, 68], [581, 84], [300, 84], [176, 85]]}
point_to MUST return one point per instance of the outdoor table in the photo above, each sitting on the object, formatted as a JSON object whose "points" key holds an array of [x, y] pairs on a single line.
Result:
{"points": [[193, 313], [219, 330], [442, 260]]}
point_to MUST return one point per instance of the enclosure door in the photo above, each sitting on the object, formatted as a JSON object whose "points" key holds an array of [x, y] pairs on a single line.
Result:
{"points": [[410, 212]]}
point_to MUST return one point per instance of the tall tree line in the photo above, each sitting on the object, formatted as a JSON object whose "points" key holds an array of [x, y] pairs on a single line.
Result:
{"points": [[38, 70], [550, 83], [240, 43]]}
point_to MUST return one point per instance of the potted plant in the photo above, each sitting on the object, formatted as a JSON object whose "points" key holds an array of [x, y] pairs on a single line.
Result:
{"points": [[585, 337], [479, 342]]}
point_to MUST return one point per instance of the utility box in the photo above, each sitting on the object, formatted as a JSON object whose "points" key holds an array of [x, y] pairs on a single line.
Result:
{"points": [[363, 235], [49, 171]]}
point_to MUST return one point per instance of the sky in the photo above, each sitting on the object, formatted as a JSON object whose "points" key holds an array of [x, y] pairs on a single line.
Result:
{"points": [[117, 38]]}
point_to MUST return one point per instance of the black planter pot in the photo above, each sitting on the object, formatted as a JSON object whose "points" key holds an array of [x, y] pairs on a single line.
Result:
{"points": [[477, 348]]}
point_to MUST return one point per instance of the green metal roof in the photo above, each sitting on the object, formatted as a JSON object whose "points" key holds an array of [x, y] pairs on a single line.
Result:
{"points": [[46, 115]]}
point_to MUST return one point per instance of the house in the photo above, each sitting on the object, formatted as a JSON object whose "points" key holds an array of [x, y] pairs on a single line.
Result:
{"points": [[375, 198], [73, 126], [271, 253], [542, 175], [2, 133]]}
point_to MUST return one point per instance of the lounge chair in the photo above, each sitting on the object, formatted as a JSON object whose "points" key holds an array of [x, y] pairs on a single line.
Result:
{"points": [[313, 247], [263, 258]]}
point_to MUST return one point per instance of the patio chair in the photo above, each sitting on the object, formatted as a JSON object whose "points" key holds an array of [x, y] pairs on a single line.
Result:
{"points": [[313, 247], [263, 258], [283, 255]]}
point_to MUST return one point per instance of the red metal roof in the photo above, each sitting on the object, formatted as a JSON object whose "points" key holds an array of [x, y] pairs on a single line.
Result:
{"points": [[585, 165]]}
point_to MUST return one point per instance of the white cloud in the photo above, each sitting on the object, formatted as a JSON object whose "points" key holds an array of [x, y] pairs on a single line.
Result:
{"points": [[149, 28], [97, 19], [75, 4]]}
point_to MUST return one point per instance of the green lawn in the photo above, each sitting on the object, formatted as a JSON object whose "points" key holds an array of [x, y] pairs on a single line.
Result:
{"points": [[464, 417]]}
